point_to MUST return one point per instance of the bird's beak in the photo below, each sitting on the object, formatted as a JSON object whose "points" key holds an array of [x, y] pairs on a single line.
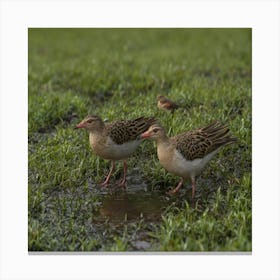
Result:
{"points": [[80, 125], [144, 135]]}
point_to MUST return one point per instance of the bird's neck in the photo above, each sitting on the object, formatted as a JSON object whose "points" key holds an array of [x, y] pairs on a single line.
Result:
{"points": [[97, 133], [163, 141], [164, 149]]}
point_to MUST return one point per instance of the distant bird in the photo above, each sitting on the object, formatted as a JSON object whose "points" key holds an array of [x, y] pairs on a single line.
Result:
{"points": [[187, 154], [166, 104], [116, 140]]}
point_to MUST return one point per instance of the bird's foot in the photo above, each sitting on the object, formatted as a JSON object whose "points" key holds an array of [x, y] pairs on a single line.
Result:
{"points": [[172, 192], [122, 183], [104, 184]]}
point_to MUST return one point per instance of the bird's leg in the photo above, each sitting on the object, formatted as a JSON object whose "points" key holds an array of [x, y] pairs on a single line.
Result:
{"points": [[175, 190], [122, 183], [105, 183], [193, 188]]}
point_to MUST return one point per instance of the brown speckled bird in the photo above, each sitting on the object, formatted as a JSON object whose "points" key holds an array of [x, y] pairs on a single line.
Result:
{"points": [[166, 104], [116, 140], [187, 154]]}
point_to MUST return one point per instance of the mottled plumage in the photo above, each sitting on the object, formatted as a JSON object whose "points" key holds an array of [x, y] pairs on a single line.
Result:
{"points": [[200, 142], [125, 131]]}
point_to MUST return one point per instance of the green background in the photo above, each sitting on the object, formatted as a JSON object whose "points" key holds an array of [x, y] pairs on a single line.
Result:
{"points": [[117, 74]]}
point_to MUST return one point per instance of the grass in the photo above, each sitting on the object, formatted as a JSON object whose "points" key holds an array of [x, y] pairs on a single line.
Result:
{"points": [[117, 73]]}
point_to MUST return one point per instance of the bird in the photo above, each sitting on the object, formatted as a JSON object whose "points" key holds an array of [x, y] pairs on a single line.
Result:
{"points": [[115, 140], [166, 104], [187, 154]]}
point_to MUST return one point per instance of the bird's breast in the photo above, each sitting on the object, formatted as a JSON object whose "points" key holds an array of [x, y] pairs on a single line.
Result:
{"points": [[174, 162], [106, 148]]}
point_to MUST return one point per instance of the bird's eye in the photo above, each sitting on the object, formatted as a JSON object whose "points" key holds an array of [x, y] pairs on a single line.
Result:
{"points": [[155, 130], [90, 121]]}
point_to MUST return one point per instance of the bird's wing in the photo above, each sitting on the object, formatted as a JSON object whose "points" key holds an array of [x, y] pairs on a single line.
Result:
{"points": [[125, 131], [200, 142]]}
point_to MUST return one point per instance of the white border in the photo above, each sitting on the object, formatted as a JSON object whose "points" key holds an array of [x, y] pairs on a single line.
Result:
{"points": [[17, 16]]}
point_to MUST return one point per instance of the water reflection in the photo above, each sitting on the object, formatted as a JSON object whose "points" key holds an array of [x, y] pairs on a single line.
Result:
{"points": [[122, 205]]}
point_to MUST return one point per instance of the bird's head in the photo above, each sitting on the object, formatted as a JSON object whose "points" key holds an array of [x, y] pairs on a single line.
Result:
{"points": [[160, 97], [91, 123], [154, 132]]}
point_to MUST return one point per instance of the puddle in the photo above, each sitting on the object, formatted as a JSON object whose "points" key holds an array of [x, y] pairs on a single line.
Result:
{"points": [[134, 203], [132, 211], [129, 206], [138, 201]]}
